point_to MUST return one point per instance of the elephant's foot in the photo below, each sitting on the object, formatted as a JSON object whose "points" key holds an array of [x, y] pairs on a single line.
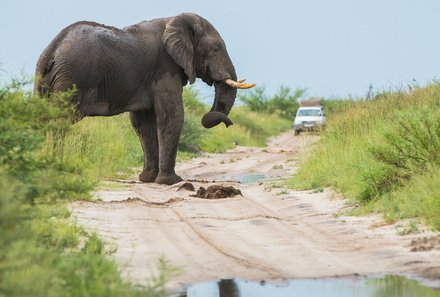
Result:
{"points": [[169, 179], [148, 176]]}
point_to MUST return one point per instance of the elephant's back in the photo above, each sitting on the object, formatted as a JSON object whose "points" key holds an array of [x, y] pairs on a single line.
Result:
{"points": [[90, 50], [87, 44], [92, 36]]}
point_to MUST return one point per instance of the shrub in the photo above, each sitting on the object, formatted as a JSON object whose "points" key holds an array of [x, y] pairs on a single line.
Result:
{"points": [[43, 252], [255, 100], [284, 103], [411, 142], [31, 134]]}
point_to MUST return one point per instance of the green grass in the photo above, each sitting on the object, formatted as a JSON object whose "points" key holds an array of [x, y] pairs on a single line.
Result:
{"points": [[107, 145], [419, 198], [382, 153]]}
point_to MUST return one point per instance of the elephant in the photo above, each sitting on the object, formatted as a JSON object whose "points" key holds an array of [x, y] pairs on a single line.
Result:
{"points": [[142, 69]]}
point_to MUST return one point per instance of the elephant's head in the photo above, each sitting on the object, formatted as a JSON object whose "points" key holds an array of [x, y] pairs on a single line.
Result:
{"points": [[197, 47]]}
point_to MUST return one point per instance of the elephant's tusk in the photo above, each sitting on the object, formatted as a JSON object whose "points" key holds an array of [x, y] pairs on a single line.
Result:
{"points": [[238, 84]]}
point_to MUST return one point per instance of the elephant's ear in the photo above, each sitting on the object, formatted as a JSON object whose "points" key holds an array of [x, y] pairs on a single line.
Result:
{"points": [[179, 37]]}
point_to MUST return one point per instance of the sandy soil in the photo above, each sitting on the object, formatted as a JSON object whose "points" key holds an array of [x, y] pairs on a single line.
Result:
{"points": [[268, 233]]}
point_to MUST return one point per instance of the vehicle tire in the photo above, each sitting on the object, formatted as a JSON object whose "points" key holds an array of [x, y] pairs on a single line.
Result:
{"points": [[297, 132]]}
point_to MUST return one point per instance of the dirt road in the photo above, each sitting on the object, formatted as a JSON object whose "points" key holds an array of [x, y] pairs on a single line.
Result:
{"points": [[267, 233]]}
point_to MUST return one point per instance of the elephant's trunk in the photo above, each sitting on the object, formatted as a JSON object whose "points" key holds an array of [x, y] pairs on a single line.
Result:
{"points": [[223, 102], [225, 92]]}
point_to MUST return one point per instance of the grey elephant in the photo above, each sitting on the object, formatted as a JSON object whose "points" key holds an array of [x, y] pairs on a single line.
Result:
{"points": [[142, 69]]}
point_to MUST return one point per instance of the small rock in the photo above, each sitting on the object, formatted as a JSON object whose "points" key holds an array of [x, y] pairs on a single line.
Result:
{"points": [[186, 186]]}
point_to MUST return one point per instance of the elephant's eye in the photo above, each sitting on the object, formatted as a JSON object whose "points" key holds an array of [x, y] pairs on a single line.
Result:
{"points": [[215, 49]]}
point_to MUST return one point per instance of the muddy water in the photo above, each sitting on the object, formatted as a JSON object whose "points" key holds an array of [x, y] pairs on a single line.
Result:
{"points": [[388, 286], [244, 179]]}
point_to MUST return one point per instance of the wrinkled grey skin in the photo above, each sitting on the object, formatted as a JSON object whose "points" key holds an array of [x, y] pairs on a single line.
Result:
{"points": [[141, 69]]}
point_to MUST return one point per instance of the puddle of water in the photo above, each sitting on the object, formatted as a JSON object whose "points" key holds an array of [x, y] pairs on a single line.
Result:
{"points": [[387, 286], [244, 179]]}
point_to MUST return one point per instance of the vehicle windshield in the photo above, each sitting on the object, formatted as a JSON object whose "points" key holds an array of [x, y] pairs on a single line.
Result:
{"points": [[309, 112]]}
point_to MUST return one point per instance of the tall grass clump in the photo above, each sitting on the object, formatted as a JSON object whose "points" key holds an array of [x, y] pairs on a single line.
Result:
{"points": [[43, 253], [419, 198], [108, 146], [375, 148]]}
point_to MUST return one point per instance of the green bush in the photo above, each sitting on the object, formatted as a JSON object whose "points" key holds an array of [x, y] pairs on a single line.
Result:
{"points": [[412, 142], [31, 134], [43, 252], [283, 103], [255, 100]]}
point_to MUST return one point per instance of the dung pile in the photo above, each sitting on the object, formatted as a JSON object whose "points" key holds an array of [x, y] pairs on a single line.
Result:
{"points": [[425, 244], [217, 192]]}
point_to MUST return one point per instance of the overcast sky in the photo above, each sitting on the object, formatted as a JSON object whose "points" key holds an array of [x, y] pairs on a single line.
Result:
{"points": [[332, 48]]}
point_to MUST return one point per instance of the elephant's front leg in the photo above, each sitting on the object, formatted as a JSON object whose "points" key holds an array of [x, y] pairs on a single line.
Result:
{"points": [[144, 122], [169, 114]]}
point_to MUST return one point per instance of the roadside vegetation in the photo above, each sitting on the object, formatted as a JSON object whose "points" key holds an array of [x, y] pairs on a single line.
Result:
{"points": [[284, 103], [43, 252], [384, 153], [45, 162]]}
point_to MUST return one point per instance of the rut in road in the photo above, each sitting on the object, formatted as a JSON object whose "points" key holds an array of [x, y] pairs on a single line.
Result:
{"points": [[268, 233]]}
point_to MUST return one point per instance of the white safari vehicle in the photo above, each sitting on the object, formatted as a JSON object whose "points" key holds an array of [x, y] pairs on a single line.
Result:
{"points": [[309, 117]]}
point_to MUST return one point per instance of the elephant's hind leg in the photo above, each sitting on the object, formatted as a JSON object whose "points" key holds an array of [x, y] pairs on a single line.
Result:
{"points": [[144, 123]]}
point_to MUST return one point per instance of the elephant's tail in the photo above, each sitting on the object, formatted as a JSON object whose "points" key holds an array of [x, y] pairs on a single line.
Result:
{"points": [[42, 82]]}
